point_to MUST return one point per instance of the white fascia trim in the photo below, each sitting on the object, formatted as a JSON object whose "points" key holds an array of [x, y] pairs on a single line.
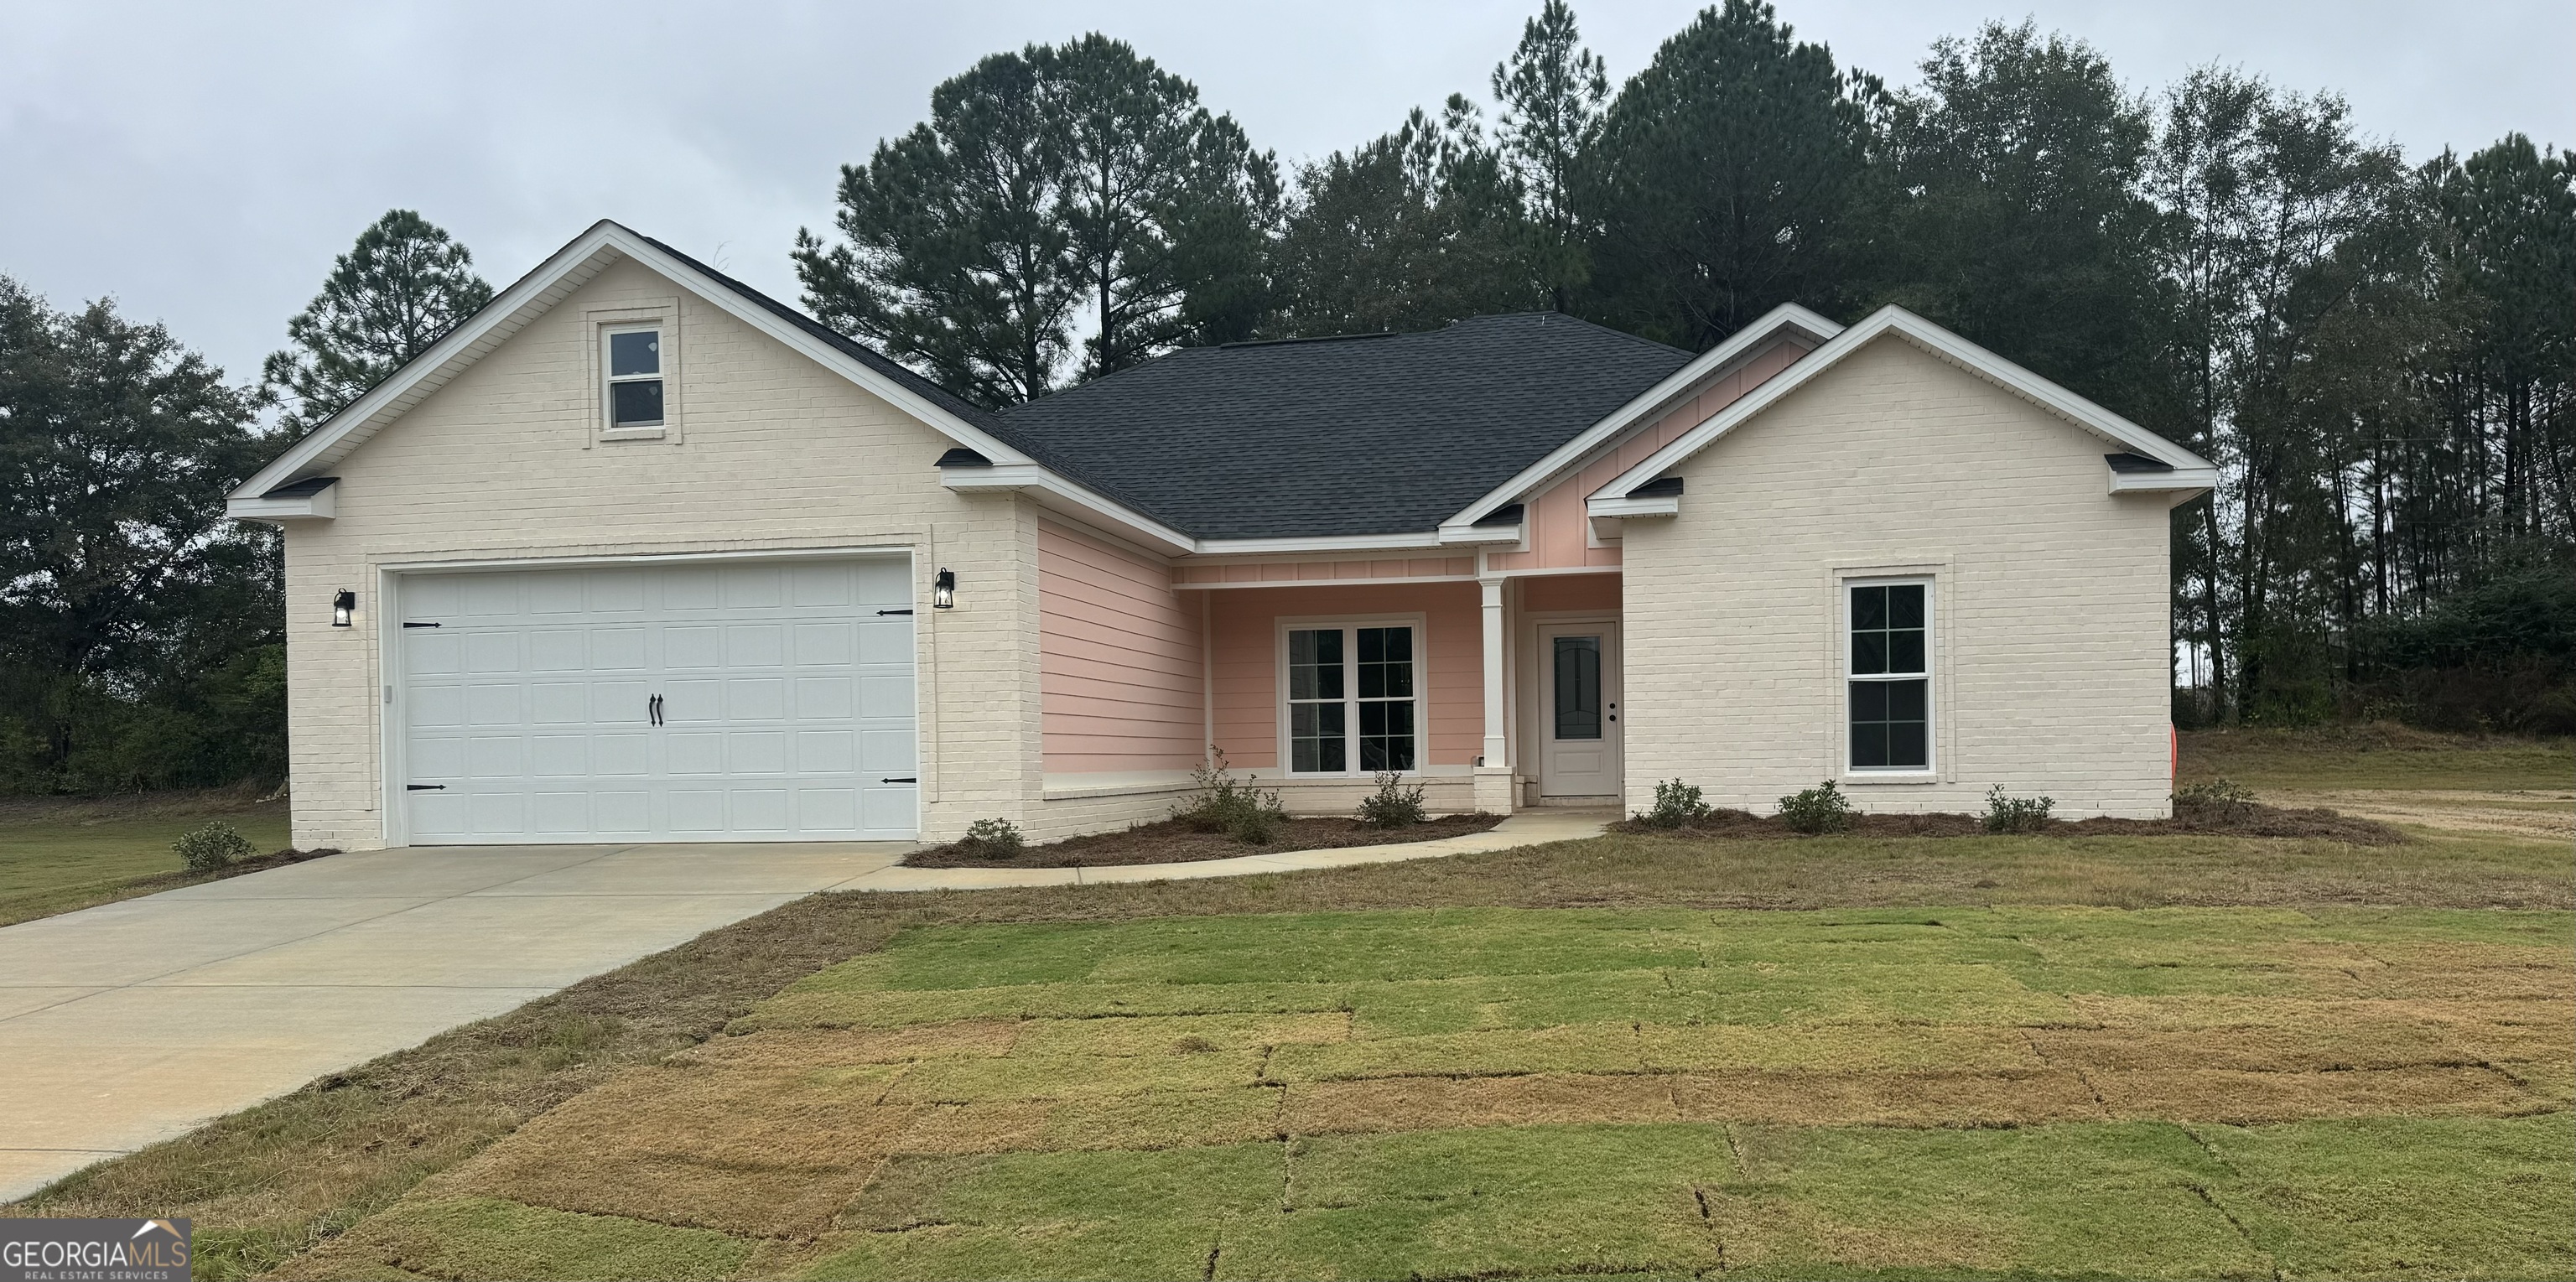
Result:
{"points": [[1742, 343], [1614, 508], [535, 293], [1058, 494], [319, 507], [2181, 478], [1472, 535], [1936, 340], [1321, 543]]}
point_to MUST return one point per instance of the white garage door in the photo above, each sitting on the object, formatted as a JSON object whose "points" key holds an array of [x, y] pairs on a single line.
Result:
{"points": [[768, 701]]}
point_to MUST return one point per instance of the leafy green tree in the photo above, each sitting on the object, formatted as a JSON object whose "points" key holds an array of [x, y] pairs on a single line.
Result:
{"points": [[1551, 90], [398, 290], [1148, 171], [2511, 211], [1049, 187], [1417, 228], [133, 618], [1727, 170], [956, 260], [2018, 213]]}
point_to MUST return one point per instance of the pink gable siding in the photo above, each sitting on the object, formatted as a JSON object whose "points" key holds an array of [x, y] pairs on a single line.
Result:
{"points": [[1119, 659], [1246, 627], [1556, 519]]}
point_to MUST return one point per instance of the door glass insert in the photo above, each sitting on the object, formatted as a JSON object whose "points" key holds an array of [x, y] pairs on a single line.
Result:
{"points": [[1578, 687]]}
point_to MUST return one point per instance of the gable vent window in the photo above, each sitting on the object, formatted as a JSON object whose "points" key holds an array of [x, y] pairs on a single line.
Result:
{"points": [[1890, 677], [635, 378]]}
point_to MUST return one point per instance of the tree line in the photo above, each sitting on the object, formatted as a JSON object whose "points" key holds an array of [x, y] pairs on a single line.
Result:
{"points": [[2377, 351]]}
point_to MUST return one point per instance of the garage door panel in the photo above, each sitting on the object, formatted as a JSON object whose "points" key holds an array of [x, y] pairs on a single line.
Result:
{"points": [[559, 756], [755, 752], [436, 706], [621, 754], [693, 647], [496, 757], [826, 698], [784, 699], [886, 752], [756, 645], [435, 654], [755, 699], [626, 649], [559, 650], [756, 810], [691, 589], [695, 753], [558, 814], [494, 704], [833, 644], [885, 641], [827, 809], [827, 751]]}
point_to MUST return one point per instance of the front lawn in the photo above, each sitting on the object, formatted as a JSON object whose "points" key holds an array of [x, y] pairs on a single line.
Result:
{"points": [[60, 854]]}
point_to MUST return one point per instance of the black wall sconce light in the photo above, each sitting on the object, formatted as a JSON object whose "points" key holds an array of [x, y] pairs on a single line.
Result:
{"points": [[943, 591], [342, 606]]}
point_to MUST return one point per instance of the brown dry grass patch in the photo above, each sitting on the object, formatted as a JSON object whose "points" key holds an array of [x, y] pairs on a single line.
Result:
{"points": [[2247, 1099]]}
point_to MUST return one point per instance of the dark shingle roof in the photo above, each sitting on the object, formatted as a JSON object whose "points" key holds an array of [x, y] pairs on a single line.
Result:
{"points": [[1368, 434], [1373, 434]]}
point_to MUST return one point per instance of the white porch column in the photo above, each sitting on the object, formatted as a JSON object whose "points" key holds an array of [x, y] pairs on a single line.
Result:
{"points": [[1494, 774]]}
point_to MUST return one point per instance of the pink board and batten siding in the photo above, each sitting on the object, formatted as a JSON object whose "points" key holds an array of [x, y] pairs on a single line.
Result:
{"points": [[1245, 623], [1557, 520], [1119, 659]]}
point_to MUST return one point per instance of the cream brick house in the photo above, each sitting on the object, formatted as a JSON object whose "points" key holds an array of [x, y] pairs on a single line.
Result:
{"points": [[638, 554]]}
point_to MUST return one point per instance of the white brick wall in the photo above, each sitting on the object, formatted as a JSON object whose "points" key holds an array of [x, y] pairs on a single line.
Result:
{"points": [[2051, 598], [774, 453]]}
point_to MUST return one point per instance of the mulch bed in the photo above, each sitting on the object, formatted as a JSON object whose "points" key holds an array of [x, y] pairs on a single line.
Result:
{"points": [[1169, 841], [2239, 821]]}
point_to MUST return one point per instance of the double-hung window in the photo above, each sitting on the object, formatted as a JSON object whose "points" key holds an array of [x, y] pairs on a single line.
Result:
{"points": [[634, 377], [1352, 704], [1890, 677]]}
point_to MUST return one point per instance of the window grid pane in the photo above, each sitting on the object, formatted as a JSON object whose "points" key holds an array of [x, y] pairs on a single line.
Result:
{"points": [[1889, 688], [635, 403], [1350, 700]]}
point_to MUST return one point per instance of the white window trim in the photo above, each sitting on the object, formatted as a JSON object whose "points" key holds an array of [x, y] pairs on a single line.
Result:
{"points": [[1934, 703], [660, 314], [1351, 723]]}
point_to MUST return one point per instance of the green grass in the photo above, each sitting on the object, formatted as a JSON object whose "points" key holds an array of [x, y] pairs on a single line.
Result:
{"points": [[1505, 1092], [2376, 757], [59, 856]]}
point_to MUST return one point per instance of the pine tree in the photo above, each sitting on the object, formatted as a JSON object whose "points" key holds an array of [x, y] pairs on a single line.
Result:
{"points": [[398, 290], [1551, 90], [1728, 168]]}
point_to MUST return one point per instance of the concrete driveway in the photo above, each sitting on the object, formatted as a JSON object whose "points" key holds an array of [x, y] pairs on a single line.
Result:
{"points": [[131, 1023]]}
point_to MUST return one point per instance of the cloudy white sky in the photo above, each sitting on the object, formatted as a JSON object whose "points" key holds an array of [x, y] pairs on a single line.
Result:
{"points": [[202, 163]]}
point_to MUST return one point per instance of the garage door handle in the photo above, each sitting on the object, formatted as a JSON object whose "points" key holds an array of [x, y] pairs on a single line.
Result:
{"points": [[424, 787], [905, 779], [409, 624], [882, 613], [653, 710]]}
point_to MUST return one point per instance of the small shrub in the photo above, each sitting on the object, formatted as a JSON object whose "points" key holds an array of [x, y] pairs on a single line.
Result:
{"points": [[1393, 805], [992, 838], [2220, 801], [1231, 806], [211, 847], [1677, 805], [2016, 814], [1822, 808]]}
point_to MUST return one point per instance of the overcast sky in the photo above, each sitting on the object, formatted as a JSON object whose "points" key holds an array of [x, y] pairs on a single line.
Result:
{"points": [[203, 162]]}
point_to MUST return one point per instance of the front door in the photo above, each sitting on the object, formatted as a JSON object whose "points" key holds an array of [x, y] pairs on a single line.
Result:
{"points": [[1579, 711]]}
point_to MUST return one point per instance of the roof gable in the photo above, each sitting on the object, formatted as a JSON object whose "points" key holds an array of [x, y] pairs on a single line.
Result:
{"points": [[557, 278], [2185, 470]]}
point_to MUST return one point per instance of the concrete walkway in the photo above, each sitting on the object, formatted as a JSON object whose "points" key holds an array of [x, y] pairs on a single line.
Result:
{"points": [[134, 1022]]}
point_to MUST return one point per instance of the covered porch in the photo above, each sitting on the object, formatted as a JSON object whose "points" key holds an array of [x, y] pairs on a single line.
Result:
{"points": [[1495, 693]]}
